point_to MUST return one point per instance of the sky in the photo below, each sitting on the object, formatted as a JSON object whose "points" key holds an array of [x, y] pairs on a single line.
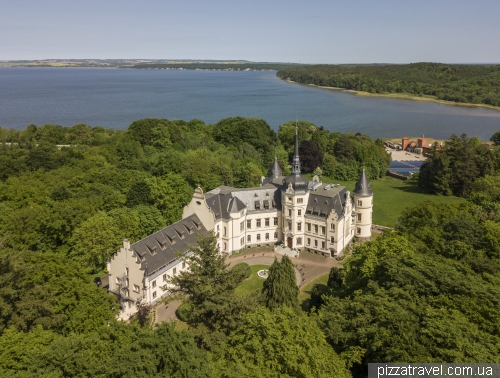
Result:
{"points": [[314, 31]]}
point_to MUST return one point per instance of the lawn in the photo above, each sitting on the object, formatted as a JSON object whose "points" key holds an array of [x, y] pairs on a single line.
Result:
{"points": [[252, 284], [305, 292], [391, 196]]}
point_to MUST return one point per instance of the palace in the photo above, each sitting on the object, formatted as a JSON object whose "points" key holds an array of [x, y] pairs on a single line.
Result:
{"points": [[290, 210]]}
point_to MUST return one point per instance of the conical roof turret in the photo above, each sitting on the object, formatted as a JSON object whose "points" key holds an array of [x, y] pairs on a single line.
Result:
{"points": [[363, 187], [275, 170]]}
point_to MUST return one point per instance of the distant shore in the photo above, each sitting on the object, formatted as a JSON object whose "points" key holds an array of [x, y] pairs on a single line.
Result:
{"points": [[403, 96]]}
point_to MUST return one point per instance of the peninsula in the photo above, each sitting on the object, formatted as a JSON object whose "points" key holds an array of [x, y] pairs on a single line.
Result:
{"points": [[450, 84]]}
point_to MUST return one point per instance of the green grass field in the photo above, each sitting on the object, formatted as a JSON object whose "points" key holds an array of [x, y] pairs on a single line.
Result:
{"points": [[252, 284], [305, 292], [391, 196]]}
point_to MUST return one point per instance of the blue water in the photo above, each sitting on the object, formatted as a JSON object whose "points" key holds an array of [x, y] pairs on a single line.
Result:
{"points": [[116, 97]]}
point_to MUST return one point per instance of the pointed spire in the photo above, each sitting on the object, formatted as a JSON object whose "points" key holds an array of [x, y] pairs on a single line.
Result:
{"points": [[296, 159], [275, 170], [363, 187]]}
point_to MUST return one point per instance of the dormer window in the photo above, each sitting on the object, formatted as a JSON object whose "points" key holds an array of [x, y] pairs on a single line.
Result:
{"points": [[257, 205]]}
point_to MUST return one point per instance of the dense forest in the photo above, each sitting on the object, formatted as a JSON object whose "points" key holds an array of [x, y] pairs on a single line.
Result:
{"points": [[428, 291], [472, 84]]}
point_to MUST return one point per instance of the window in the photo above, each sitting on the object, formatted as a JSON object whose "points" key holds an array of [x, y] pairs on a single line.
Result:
{"points": [[290, 226], [242, 241], [332, 227], [332, 239], [308, 241], [153, 284], [258, 223], [290, 199], [322, 245], [218, 228], [249, 238], [242, 226], [267, 235], [275, 235], [360, 203], [299, 241], [183, 265], [358, 231], [225, 232], [174, 271], [258, 237], [299, 212], [126, 271], [275, 221], [164, 277], [154, 294], [266, 222], [249, 223], [359, 217], [225, 246], [315, 243], [299, 226], [300, 200], [136, 288], [289, 212], [308, 227], [323, 230], [315, 228]]}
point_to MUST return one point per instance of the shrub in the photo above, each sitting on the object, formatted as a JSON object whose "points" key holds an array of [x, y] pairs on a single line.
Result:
{"points": [[184, 311], [242, 270]]}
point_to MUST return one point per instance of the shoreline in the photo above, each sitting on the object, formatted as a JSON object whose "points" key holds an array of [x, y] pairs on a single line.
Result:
{"points": [[402, 96]]}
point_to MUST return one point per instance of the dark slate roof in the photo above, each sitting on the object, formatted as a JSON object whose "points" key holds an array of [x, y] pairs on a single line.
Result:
{"points": [[275, 170], [323, 201], [299, 183], [363, 187], [159, 249], [224, 199]]}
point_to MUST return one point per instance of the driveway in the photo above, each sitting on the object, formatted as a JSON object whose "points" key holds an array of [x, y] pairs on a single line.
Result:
{"points": [[308, 267]]}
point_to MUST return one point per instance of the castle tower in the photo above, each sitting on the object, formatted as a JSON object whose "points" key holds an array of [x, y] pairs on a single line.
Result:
{"points": [[363, 204], [294, 197]]}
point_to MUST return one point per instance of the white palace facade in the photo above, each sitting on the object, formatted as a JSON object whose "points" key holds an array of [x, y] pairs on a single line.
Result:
{"points": [[301, 214]]}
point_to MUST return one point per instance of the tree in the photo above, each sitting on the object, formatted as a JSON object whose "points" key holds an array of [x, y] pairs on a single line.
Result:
{"points": [[311, 156], [280, 344], [139, 194], [170, 194], [209, 288], [495, 138], [280, 288], [94, 240], [344, 149]]}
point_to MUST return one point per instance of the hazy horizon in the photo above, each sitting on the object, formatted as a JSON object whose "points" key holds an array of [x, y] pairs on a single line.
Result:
{"points": [[317, 32]]}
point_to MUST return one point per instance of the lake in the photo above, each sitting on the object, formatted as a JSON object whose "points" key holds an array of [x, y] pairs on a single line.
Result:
{"points": [[113, 98]]}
